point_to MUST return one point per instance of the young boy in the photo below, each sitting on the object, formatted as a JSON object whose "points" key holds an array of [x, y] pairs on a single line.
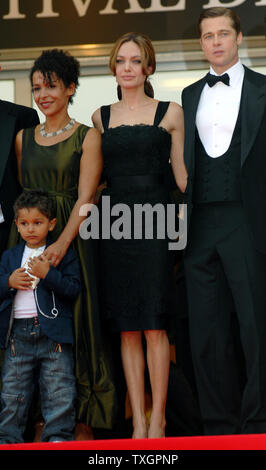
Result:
{"points": [[36, 326]]}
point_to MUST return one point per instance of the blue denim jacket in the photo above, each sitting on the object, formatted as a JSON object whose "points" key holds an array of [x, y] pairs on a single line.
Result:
{"points": [[61, 286]]}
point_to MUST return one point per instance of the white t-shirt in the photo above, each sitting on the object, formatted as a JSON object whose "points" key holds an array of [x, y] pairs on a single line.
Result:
{"points": [[24, 305]]}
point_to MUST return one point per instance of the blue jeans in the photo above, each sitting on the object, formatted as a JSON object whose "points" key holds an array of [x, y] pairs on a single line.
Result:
{"points": [[29, 350]]}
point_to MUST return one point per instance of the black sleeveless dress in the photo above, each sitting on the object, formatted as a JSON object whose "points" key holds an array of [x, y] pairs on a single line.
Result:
{"points": [[137, 277]]}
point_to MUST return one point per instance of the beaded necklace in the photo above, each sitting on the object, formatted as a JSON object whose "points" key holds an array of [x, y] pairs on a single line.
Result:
{"points": [[53, 134]]}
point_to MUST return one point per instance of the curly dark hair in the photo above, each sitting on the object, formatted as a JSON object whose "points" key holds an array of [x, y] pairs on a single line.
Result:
{"points": [[60, 62], [36, 198]]}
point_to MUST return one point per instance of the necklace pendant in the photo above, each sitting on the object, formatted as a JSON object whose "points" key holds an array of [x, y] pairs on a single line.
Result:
{"points": [[55, 133]]}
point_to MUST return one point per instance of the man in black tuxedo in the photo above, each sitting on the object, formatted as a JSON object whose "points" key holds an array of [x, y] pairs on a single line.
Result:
{"points": [[225, 259], [13, 117]]}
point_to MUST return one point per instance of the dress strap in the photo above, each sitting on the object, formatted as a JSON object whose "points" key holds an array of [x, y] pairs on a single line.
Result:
{"points": [[160, 112], [105, 116]]}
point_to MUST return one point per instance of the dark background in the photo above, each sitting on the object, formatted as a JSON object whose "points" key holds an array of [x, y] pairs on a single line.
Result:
{"points": [[70, 29]]}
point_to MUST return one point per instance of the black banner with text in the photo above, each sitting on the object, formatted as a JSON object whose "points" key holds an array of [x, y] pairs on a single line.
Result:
{"points": [[48, 23]]}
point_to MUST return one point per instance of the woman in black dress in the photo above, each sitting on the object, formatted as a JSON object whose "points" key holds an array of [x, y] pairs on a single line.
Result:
{"points": [[139, 137]]}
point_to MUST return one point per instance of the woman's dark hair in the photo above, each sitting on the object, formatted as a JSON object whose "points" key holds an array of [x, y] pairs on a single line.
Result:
{"points": [[59, 62], [147, 55], [35, 198]]}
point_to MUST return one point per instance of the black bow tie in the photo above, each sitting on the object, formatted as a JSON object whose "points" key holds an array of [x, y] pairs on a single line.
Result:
{"points": [[213, 79]]}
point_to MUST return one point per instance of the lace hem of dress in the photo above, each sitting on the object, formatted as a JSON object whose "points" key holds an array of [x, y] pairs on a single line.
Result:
{"points": [[142, 125]]}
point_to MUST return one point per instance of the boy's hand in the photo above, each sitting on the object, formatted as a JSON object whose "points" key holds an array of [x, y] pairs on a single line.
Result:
{"points": [[20, 279], [39, 266]]}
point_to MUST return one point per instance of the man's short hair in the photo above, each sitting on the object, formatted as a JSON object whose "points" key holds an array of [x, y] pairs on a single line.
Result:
{"points": [[215, 12]]}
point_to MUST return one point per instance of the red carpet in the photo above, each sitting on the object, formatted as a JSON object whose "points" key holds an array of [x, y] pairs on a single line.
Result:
{"points": [[236, 442]]}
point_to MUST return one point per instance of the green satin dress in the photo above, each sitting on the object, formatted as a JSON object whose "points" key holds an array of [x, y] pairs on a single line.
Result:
{"points": [[55, 168]]}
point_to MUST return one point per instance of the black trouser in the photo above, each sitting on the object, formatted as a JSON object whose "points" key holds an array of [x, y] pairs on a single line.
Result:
{"points": [[220, 263]]}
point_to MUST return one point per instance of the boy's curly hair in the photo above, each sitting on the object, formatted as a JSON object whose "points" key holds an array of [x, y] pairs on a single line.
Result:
{"points": [[35, 198]]}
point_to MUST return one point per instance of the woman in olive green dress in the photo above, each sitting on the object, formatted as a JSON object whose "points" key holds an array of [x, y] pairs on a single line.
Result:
{"points": [[64, 157]]}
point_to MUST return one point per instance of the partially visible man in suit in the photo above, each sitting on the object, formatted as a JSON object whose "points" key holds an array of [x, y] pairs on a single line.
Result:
{"points": [[225, 259], [13, 117]]}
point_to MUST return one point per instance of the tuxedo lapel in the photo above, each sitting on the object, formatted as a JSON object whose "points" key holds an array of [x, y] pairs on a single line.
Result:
{"points": [[253, 108], [7, 126], [190, 110]]}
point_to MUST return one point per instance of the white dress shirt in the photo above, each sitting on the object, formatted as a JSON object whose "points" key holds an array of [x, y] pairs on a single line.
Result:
{"points": [[218, 111]]}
